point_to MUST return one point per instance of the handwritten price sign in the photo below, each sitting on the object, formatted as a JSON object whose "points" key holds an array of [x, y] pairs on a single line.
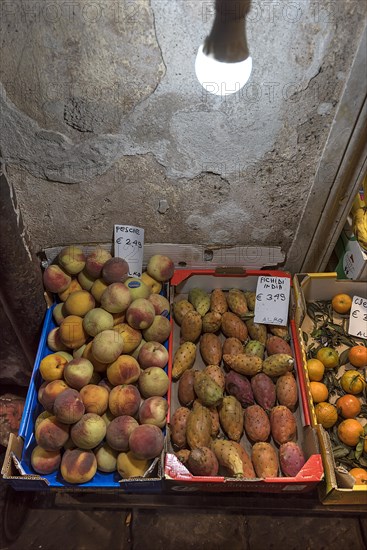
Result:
{"points": [[272, 300], [358, 318], [129, 244]]}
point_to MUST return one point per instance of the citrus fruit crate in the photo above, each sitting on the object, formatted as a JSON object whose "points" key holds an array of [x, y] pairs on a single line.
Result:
{"points": [[177, 476], [319, 326]]}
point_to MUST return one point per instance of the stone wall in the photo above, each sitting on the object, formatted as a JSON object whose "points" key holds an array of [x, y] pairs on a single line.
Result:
{"points": [[103, 120]]}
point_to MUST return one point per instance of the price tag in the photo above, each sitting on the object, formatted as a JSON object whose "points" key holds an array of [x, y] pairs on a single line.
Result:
{"points": [[272, 300], [358, 318], [129, 245]]}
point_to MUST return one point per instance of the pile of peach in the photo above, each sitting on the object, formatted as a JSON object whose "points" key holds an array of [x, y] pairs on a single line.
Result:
{"points": [[104, 384]]}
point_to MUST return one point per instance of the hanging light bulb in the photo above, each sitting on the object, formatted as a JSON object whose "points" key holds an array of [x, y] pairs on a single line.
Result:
{"points": [[223, 64]]}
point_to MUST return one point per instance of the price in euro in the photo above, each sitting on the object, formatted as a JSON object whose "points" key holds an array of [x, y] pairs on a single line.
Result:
{"points": [[129, 242], [271, 297]]}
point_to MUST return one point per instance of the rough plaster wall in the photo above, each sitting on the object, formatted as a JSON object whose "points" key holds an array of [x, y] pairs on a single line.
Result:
{"points": [[102, 116]]}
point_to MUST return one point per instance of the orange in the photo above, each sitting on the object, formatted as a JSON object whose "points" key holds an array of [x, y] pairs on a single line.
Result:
{"points": [[365, 446], [329, 357], [326, 414], [358, 356], [315, 370], [319, 392], [360, 476], [349, 431], [348, 406], [341, 303], [352, 382]]}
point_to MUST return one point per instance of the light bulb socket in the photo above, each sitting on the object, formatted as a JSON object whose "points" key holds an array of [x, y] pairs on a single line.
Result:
{"points": [[227, 40]]}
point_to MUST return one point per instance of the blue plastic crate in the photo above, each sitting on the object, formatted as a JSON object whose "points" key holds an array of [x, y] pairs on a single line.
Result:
{"points": [[101, 481]]}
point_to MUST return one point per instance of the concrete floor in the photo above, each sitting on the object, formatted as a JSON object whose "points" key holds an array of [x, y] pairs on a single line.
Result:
{"points": [[54, 522]]}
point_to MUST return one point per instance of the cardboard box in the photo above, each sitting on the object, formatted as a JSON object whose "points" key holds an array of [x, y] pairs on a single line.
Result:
{"points": [[337, 487], [17, 468], [177, 477]]}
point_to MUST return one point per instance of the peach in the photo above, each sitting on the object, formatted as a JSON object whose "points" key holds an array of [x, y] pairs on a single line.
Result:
{"points": [[66, 355], [73, 287], [45, 462], [124, 400], [140, 314], [160, 303], [41, 389], [95, 398], [78, 466], [146, 442], [125, 370], [160, 268], [154, 411], [51, 434], [116, 298], [130, 336], [54, 342], [106, 458], [153, 381], [97, 320], [107, 346], [78, 352], [50, 392], [85, 280], [159, 330], [137, 288], [98, 288], [41, 417], [52, 367], [130, 466], [59, 313], [79, 303], [119, 431], [96, 260], [115, 270], [72, 333], [107, 417], [69, 407], [155, 286], [98, 366], [153, 354], [55, 279], [78, 372], [72, 259], [89, 431], [136, 351]]}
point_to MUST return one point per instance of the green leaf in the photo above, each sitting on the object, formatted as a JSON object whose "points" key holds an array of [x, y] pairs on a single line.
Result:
{"points": [[363, 461], [305, 337]]}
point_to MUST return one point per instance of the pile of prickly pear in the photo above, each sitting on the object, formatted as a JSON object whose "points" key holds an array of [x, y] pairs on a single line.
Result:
{"points": [[235, 384]]}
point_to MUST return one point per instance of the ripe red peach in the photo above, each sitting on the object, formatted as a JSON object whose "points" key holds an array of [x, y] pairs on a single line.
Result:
{"points": [[125, 370], [55, 279], [119, 431], [115, 270], [68, 406], [96, 260], [160, 267], [45, 462], [78, 466], [124, 400]]}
